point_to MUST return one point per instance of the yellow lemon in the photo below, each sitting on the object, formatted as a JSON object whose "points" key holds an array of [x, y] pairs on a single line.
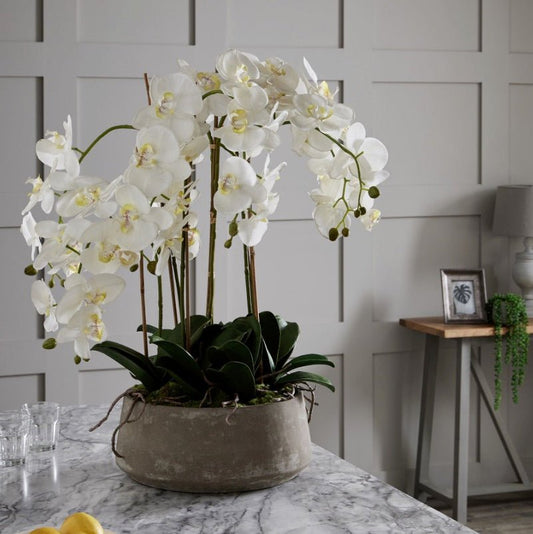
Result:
{"points": [[81, 523], [45, 530]]}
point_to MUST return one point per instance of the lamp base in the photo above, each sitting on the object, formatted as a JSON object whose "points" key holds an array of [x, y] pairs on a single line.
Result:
{"points": [[523, 273]]}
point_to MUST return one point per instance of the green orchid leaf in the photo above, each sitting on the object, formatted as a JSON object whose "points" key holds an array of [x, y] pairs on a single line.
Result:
{"points": [[141, 367], [175, 335], [172, 367], [236, 330], [271, 333], [253, 337], [215, 357], [307, 359], [297, 377], [288, 336], [188, 367], [151, 329], [239, 352], [266, 359], [235, 378]]}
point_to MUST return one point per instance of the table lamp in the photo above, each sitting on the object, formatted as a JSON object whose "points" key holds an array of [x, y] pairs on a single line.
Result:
{"points": [[513, 217]]}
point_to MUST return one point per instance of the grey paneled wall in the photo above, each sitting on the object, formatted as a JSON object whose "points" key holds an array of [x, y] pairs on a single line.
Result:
{"points": [[446, 84]]}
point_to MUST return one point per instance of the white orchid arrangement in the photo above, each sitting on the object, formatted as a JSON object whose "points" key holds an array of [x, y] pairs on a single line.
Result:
{"points": [[144, 219]]}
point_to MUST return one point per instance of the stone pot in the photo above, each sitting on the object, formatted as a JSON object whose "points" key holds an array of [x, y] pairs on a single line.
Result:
{"points": [[214, 450]]}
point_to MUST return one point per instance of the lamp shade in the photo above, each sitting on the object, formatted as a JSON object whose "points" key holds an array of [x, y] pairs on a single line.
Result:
{"points": [[513, 211]]}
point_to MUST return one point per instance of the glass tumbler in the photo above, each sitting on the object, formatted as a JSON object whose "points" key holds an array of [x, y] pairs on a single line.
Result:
{"points": [[14, 434], [44, 425]]}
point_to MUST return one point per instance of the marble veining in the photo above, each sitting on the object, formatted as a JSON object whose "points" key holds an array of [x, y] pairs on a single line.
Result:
{"points": [[331, 496]]}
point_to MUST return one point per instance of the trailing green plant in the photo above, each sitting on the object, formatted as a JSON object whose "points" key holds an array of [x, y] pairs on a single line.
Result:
{"points": [[508, 314]]}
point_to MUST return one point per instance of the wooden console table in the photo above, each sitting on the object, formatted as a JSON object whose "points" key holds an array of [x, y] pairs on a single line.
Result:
{"points": [[465, 336]]}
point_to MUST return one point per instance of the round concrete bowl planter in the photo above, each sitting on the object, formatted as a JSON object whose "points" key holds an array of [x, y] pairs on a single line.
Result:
{"points": [[214, 450]]}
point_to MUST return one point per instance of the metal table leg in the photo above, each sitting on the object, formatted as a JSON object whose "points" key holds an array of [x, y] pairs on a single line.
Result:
{"points": [[427, 403], [462, 412]]}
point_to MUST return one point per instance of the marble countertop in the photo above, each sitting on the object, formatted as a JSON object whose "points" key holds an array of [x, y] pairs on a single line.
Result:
{"points": [[331, 496]]}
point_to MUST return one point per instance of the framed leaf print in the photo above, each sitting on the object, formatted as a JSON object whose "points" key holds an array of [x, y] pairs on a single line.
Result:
{"points": [[464, 295]]}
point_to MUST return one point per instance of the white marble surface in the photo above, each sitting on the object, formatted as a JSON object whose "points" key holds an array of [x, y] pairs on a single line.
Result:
{"points": [[330, 497]]}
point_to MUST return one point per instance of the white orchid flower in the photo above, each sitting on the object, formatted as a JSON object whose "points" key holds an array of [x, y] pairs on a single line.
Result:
{"points": [[209, 83], [192, 152], [55, 150], [329, 190], [370, 218], [104, 255], [136, 223], [175, 99], [41, 193], [252, 230], [372, 156], [87, 196], [27, 228], [179, 198], [238, 187], [169, 243], [330, 216], [280, 80], [236, 67], [85, 325], [311, 143], [315, 111], [156, 153], [44, 303], [98, 290], [241, 131], [61, 247]]}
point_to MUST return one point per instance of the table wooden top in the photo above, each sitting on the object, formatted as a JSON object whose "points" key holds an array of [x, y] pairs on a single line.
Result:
{"points": [[437, 327]]}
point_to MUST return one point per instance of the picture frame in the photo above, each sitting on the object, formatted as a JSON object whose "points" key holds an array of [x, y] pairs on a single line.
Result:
{"points": [[464, 295]]}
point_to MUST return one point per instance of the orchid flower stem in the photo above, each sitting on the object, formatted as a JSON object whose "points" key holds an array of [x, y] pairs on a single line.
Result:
{"points": [[185, 287], [247, 278], [182, 294], [143, 306], [215, 163], [355, 157], [101, 136], [172, 291], [253, 284], [160, 303], [181, 303], [141, 260]]}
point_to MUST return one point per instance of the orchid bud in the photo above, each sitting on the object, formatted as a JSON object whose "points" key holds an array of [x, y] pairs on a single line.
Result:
{"points": [[333, 234], [151, 266], [233, 229], [30, 270], [49, 343], [77, 360], [345, 232], [133, 268], [373, 192], [227, 244]]}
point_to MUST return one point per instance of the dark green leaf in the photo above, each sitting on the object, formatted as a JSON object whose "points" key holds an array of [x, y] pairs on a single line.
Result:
{"points": [[267, 360], [235, 378], [171, 366], [136, 363], [239, 352], [189, 370], [307, 359], [303, 376], [288, 336], [270, 331]]}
